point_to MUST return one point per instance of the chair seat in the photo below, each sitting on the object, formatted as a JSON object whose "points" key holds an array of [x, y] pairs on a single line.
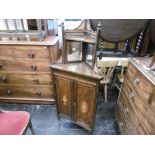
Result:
{"points": [[13, 123]]}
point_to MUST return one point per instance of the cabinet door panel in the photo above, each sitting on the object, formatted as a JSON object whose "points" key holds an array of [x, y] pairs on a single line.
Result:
{"points": [[86, 107], [63, 90]]}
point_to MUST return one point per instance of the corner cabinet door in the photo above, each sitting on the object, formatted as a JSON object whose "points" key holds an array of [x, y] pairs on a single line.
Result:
{"points": [[86, 104], [63, 90]]}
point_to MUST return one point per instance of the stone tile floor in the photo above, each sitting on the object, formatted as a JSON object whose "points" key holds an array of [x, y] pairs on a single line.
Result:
{"points": [[45, 122]]}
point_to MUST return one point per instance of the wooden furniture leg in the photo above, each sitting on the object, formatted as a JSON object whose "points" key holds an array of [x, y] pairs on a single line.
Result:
{"points": [[105, 92], [31, 127], [153, 60]]}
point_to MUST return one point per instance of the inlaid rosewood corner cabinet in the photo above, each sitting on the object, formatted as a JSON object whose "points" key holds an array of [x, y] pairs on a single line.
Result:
{"points": [[76, 88], [76, 83], [25, 75]]}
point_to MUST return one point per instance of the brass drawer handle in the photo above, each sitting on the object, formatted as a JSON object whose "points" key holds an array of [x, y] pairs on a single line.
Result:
{"points": [[121, 124], [3, 79], [36, 80], [8, 92], [34, 67], [131, 95], [126, 110], [38, 93], [31, 55], [1, 66], [136, 81]]}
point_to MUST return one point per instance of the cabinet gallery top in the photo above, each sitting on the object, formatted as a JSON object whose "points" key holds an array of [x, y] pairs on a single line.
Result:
{"points": [[51, 40], [81, 69]]}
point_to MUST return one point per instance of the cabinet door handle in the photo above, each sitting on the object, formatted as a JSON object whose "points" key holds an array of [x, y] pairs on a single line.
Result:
{"points": [[3, 79], [8, 92], [34, 67]]}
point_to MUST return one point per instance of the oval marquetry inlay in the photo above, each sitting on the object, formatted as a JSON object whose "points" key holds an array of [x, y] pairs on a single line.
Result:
{"points": [[64, 99], [84, 107]]}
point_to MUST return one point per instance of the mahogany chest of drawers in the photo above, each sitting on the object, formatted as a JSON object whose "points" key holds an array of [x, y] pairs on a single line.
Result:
{"points": [[135, 111], [25, 75]]}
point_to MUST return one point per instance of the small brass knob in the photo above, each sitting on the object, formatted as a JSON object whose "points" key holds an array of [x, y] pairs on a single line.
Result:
{"points": [[8, 92], [34, 67], [4, 79], [31, 55], [38, 93], [36, 80]]}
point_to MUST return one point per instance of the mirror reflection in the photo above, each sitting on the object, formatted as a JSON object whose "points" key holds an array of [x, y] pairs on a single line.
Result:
{"points": [[74, 51]]}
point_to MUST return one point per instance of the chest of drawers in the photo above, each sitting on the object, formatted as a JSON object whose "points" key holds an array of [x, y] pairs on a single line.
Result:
{"points": [[135, 111], [25, 75]]}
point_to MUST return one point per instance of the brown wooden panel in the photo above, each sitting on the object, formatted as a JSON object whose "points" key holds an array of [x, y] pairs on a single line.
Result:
{"points": [[64, 91], [24, 65], [86, 104], [29, 54], [25, 78], [24, 47], [26, 91]]}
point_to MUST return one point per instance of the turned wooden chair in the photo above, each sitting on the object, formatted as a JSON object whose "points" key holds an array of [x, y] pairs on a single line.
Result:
{"points": [[120, 76], [106, 69], [15, 122]]}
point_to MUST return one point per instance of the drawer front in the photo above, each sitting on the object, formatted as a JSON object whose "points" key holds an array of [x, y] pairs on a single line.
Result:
{"points": [[122, 123], [141, 108], [28, 66], [31, 54], [23, 79], [140, 83], [23, 47], [26, 91]]}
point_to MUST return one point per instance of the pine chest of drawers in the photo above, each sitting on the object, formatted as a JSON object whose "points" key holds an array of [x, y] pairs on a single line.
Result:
{"points": [[135, 111], [25, 75]]}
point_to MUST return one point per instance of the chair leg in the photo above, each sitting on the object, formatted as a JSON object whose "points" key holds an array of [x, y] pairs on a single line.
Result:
{"points": [[105, 92], [31, 128]]}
